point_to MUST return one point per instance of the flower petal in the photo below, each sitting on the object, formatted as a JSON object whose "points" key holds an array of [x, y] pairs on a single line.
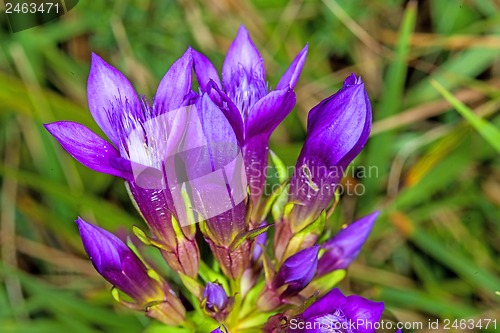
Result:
{"points": [[204, 70], [339, 126], [345, 246], [269, 112], [242, 52], [216, 297], [105, 249], [255, 153], [363, 311], [292, 74], [89, 149], [229, 109], [110, 96], [175, 85], [297, 271]]}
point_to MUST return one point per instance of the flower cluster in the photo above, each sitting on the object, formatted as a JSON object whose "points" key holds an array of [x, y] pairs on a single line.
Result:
{"points": [[193, 161]]}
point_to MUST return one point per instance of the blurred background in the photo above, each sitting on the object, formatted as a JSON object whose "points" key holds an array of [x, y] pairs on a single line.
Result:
{"points": [[435, 177]]}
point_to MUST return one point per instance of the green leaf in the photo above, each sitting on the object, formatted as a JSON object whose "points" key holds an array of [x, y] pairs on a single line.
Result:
{"points": [[251, 234], [488, 131]]}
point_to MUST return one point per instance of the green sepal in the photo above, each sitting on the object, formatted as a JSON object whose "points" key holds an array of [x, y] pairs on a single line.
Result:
{"points": [[269, 269], [177, 228], [250, 299], [193, 286], [328, 281], [315, 228], [152, 274], [278, 207], [280, 167], [136, 251], [189, 213], [251, 234], [269, 201], [209, 275], [335, 202], [139, 233], [116, 294], [255, 322]]}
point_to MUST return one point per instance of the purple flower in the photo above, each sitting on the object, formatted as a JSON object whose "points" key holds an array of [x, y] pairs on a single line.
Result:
{"points": [[253, 110], [344, 247], [215, 297], [335, 312], [142, 136], [116, 262], [121, 267], [297, 271], [337, 130]]}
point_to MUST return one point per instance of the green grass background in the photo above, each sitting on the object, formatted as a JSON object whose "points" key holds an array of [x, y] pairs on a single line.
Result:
{"points": [[434, 251]]}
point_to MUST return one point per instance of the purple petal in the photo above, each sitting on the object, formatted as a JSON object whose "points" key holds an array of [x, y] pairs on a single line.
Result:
{"points": [[342, 249], [292, 74], [175, 85], [105, 249], [364, 312], [326, 304], [216, 296], [229, 109], [204, 70], [340, 124], [298, 270], [213, 133], [110, 96], [116, 262], [269, 112], [242, 53], [255, 153], [338, 129], [89, 149]]}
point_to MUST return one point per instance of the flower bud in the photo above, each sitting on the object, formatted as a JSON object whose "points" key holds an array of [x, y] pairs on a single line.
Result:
{"points": [[345, 246], [297, 271], [337, 130], [125, 271], [215, 298]]}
